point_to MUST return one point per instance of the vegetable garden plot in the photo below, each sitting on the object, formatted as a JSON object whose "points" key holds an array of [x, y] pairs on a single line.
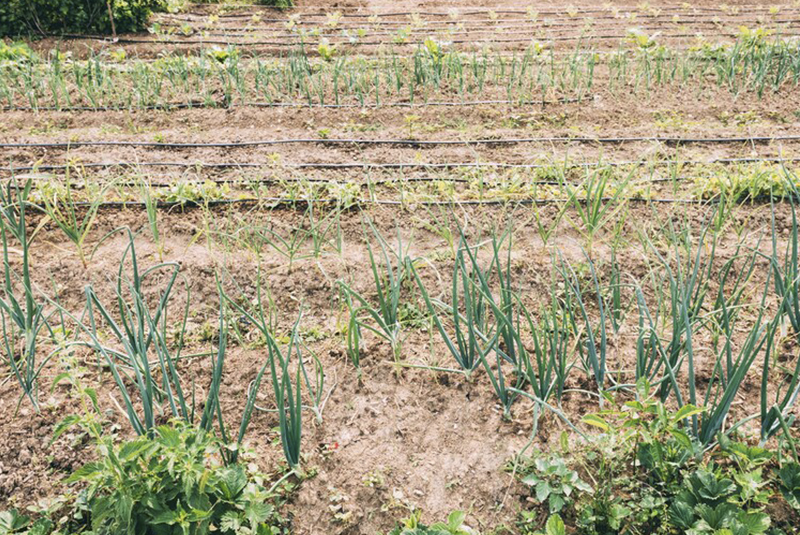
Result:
{"points": [[410, 290]]}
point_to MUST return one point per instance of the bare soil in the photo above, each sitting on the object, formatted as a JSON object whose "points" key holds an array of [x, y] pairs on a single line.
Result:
{"points": [[398, 437]]}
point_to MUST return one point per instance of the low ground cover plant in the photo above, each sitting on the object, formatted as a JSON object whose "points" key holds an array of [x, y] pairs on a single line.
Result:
{"points": [[649, 475], [175, 482]]}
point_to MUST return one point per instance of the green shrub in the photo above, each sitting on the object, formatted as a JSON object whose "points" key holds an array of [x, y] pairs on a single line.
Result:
{"points": [[175, 482], [649, 476], [454, 526], [29, 17]]}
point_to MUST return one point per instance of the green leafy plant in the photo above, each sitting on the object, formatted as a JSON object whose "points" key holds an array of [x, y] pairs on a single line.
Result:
{"points": [[707, 504], [789, 483], [174, 482], [12, 522], [454, 526], [551, 481], [19, 17], [553, 526]]}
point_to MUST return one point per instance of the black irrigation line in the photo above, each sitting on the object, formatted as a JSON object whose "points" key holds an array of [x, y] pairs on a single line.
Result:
{"points": [[221, 105], [346, 12], [530, 34], [483, 26], [397, 165], [244, 182], [498, 23], [285, 201], [405, 142], [558, 38]]}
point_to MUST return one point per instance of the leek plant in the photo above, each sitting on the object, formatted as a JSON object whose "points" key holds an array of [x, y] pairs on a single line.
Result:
{"points": [[593, 349], [467, 312], [21, 316], [383, 319], [60, 206], [140, 332]]}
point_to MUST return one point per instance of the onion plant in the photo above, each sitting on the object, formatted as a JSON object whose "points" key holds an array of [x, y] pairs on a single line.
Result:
{"points": [[467, 312], [729, 372], [388, 277], [546, 366], [787, 288], [60, 206], [593, 349], [140, 332], [687, 289], [21, 315], [601, 201], [785, 266], [506, 322], [288, 399], [687, 284], [288, 396], [151, 208]]}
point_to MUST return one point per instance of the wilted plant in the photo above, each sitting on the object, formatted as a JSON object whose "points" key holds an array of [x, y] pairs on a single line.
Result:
{"points": [[62, 208]]}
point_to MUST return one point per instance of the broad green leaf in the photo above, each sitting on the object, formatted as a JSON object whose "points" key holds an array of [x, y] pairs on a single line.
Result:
{"points": [[595, 420]]}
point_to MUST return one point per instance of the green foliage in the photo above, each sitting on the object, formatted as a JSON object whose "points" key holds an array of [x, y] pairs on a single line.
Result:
{"points": [[12, 522], [18, 52], [651, 476], [74, 16], [789, 476], [174, 483], [21, 314], [552, 482], [454, 526], [554, 526], [382, 320], [710, 501]]}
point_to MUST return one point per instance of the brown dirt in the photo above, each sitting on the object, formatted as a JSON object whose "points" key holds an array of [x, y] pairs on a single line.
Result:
{"points": [[392, 441]]}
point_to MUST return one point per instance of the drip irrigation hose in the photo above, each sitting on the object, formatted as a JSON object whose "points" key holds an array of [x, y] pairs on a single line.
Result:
{"points": [[399, 165], [404, 142], [220, 105], [378, 182], [284, 201], [498, 24], [558, 38], [346, 11]]}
